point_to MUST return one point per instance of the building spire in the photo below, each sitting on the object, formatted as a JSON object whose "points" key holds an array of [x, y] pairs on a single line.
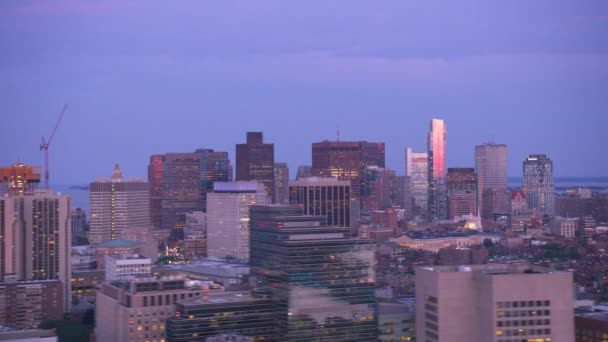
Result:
{"points": [[116, 173]]}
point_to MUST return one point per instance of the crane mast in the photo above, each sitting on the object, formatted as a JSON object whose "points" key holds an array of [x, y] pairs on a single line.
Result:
{"points": [[44, 146]]}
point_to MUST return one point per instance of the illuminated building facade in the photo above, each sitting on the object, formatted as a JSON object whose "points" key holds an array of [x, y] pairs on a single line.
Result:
{"points": [[346, 160], [327, 197], [138, 309], [228, 218], [117, 206], [417, 169], [538, 184], [494, 303], [25, 304], [320, 280], [214, 168], [36, 239], [462, 192], [491, 167], [255, 161], [19, 179], [437, 206], [281, 183]]}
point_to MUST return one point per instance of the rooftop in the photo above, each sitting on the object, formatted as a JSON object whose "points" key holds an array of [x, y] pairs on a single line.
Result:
{"points": [[222, 298], [118, 243], [494, 269]]}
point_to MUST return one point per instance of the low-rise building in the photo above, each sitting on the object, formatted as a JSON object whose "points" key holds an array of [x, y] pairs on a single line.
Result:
{"points": [[209, 318], [127, 266], [115, 247], [565, 227], [434, 241], [137, 309]]}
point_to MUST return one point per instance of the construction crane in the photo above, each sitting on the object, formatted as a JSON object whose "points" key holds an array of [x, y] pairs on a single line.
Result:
{"points": [[45, 147]]}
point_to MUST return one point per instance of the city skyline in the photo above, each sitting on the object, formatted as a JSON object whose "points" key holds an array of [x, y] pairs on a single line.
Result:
{"points": [[380, 73]]}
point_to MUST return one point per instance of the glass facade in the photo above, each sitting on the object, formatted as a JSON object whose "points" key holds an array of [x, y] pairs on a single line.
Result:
{"points": [[437, 206], [538, 184], [215, 167], [321, 282], [237, 314]]}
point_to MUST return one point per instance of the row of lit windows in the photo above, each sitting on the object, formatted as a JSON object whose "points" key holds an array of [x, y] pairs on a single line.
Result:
{"points": [[523, 313], [523, 332], [547, 339], [522, 304]]}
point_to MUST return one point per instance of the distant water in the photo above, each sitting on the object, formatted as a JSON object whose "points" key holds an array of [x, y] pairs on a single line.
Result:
{"points": [[80, 193], [599, 184]]}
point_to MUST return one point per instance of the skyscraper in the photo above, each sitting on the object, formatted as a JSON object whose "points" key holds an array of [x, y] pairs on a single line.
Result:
{"points": [[346, 160], [492, 303], [461, 192], [327, 197], [376, 190], [436, 152], [181, 187], [491, 167], [321, 281], [228, 218], [281, 183], [417, 166], [118, 205], [215, 167], [304, 171], [36, 239], [155, 181], [79, 222], [538, 184], [255, 161]]}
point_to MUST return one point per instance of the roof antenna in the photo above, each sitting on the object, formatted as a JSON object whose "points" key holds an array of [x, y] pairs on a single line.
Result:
{"points": [[338, 133]]}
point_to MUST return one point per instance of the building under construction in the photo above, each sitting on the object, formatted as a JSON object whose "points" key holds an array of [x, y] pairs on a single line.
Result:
{"points": [[19, 179]]}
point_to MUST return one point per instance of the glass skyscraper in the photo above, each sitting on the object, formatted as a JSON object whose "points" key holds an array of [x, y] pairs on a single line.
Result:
{"points": [[417, 168], [538, 184], [321, 282], [255, 161], [215, 167], [436, 153]]}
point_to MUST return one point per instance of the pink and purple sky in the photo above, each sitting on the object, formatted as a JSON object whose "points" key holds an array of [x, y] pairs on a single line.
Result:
{"points": [[146, 77]]}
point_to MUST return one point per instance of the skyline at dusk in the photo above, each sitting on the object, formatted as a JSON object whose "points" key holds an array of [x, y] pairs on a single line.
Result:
{"points": [[146, 78]]}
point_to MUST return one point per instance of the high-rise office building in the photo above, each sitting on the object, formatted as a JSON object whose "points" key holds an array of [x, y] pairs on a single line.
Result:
{"points": [[327, 197], [461, 192], [117, 206], [346, 160], [320, 280], [491, 167], [214, 168], [19, 179], [417, 168], [281, 183], [79, 222], [36, 239], [436, 152], [228, 218], [304, 171], [377, 188], [181, 187], [255, 161], [496, 302], [155, 181], [538, 184]]}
